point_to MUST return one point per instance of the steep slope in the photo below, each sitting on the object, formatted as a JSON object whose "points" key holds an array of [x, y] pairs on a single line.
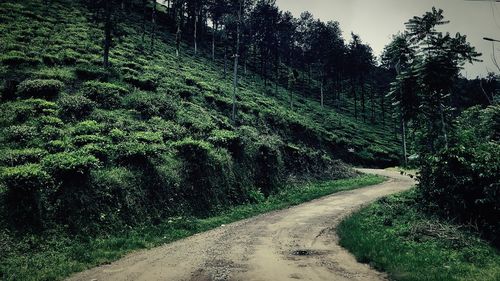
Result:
{"points": [[91, 148]]}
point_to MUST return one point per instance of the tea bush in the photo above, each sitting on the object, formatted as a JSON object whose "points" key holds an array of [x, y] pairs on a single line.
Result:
{"points": [[75, 107], [15, 157], [25, 184], [151, 105], [91, 72], [17, 58], [106, 95], [207, 175], [40, 88]]}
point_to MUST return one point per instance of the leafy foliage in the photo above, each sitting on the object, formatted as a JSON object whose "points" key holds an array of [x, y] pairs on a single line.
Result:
{"points": [[106, 95], [461, 182], [39, 88], [150, 136], [75, 107]]}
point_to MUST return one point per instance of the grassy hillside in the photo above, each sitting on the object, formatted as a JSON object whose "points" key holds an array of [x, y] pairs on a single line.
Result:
{"points": [[91, 148]]}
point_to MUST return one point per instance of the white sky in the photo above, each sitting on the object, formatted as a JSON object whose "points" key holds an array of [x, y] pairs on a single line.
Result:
{"points": [[377, 20]]}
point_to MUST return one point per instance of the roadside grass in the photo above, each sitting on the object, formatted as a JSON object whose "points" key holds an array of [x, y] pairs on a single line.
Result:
{"points": [[392, 235], [54, 255]]}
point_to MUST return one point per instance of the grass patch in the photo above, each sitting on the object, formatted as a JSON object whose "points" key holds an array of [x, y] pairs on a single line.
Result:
{"points": [[394, 236], [54, 255]]}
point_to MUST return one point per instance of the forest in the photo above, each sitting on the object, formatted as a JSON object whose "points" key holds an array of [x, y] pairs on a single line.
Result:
{"points": [[128, 124]]}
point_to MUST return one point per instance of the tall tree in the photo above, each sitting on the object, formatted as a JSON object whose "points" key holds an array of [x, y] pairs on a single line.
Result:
{"points": [[398, 56], [236, 57], [108, 26], [440, 58], [361, 61], [153, 26], [217, 9]]}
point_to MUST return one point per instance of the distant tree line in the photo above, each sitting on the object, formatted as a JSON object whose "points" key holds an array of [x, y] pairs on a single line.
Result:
{"points": [[304, 55]]}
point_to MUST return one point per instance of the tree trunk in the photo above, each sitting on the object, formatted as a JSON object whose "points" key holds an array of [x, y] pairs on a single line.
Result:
{"points": [[178, 32], [403, 136], [214, 31], [363, 105], [443, 126], [195, 34], [372, 106], [322, 96], [108, 25], [144, 7], [236, 56], [353, 93], [382, 107], [225, 52], [153, 31]]}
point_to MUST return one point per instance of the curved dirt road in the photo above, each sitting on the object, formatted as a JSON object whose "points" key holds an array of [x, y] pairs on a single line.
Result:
{"points": [[293, 244]]}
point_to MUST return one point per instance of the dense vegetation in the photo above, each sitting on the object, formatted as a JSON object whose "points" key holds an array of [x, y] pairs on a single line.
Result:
{"points": [[462, 181], [434, 232], [395, 236], [149, 136], [121, 114], [56, 254], [458, 151]]}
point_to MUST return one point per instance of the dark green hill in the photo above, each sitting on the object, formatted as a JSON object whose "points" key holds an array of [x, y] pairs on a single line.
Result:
{"points": [[91, 148]]}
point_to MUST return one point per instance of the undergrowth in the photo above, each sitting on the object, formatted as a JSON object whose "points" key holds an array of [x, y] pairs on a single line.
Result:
{"points": [[393, 235]]}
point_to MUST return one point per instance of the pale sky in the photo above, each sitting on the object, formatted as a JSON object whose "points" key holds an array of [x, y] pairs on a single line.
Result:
{"points": [[377, 20]]}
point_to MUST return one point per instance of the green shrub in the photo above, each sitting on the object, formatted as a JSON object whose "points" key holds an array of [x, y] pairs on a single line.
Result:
{"points": [[55, 146], [20, 134], [48, 133], [117, 135], [227, 139], [136, 153], [197, 119], [82, 140], [40, 88], [106, 95], [70, 168], [68, 57], [269, 164], [461, 182], [24, 110], [98, 149], [62, 74], [73, 197], [148, 137], [151, 105], [129, 72], [50, 59], [24, 177], [120, 197], [143, 82], [208, 178], [24, 184], [169, 130], [75, 106], [50, 121], [91, 72], [88, 127], [14, 157], [133, 65], [16, 58]]}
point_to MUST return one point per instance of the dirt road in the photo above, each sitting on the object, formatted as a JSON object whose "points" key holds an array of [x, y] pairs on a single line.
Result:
{"points": [[293, 244]]}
